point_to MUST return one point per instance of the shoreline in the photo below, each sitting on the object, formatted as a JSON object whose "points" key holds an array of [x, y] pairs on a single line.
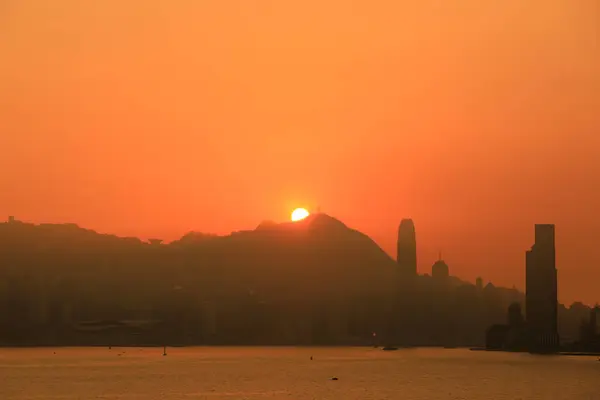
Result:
{"points": [[381, 348], [117, 346], [558, 353]]}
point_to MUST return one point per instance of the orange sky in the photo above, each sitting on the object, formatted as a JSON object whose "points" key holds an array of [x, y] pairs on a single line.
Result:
{"points": [[153, 118]]}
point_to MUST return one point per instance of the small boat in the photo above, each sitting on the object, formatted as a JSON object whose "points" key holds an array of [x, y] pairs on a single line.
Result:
{"points": [[389, 348]]}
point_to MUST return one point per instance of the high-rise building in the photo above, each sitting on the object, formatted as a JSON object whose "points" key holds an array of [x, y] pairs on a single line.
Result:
{"points": [[407, 247], [440, 270], [541, 291]]}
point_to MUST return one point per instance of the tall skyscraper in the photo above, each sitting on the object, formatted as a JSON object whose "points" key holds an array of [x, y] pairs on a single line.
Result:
{"points": [[541, 291], [406, 256]]}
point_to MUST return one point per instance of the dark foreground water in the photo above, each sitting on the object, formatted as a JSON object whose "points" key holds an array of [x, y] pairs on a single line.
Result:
{"points": [[288, 373]]}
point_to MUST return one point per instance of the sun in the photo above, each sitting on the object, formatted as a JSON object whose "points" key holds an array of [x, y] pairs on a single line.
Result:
{"points": [[299, 214]]}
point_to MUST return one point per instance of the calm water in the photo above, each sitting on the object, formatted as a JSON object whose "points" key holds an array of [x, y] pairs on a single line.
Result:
{"points": [[288, 373]]}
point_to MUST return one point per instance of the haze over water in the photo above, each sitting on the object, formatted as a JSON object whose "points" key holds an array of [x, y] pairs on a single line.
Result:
{"points": [[288, 373]]}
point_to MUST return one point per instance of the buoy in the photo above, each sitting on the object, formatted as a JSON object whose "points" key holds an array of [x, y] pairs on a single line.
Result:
{"points": [[164, 351], [310, 358]]}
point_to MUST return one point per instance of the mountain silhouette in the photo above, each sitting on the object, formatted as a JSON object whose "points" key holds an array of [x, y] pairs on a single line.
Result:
{"points": [[319, 254], [307, 282]]}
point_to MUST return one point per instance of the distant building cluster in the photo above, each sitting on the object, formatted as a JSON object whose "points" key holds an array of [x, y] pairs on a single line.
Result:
{"points": [[406, 255], [590, 332], [277, 284], [538, 330]]}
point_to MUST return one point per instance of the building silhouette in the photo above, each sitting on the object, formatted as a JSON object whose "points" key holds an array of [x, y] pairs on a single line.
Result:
{"points": [[590, 332], [479, 284], [407, 248], [509, 336], [440, 270], [515, 317], [541, 291]]}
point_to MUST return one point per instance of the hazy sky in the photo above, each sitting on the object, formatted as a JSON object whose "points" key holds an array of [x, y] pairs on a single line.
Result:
{"points": [[152, 118]]}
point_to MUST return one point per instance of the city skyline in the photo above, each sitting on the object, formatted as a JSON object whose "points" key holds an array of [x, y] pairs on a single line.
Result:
{"points": [[406, 246], [299, 199], [312, 281]]}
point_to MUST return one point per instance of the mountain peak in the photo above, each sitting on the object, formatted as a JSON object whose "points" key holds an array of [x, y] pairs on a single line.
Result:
{"points": [[319, 221], [323, 221]]}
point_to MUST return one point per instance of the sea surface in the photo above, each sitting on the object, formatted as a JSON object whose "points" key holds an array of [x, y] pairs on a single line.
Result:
{"points": [[289, 373]]}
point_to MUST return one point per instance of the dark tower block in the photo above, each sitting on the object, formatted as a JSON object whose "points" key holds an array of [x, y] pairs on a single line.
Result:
{"points": [[407, 248], [541, 292], [440, 270]]}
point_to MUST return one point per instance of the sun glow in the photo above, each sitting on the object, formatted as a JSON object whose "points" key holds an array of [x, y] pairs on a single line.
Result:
{"points": [[299, 214]]}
